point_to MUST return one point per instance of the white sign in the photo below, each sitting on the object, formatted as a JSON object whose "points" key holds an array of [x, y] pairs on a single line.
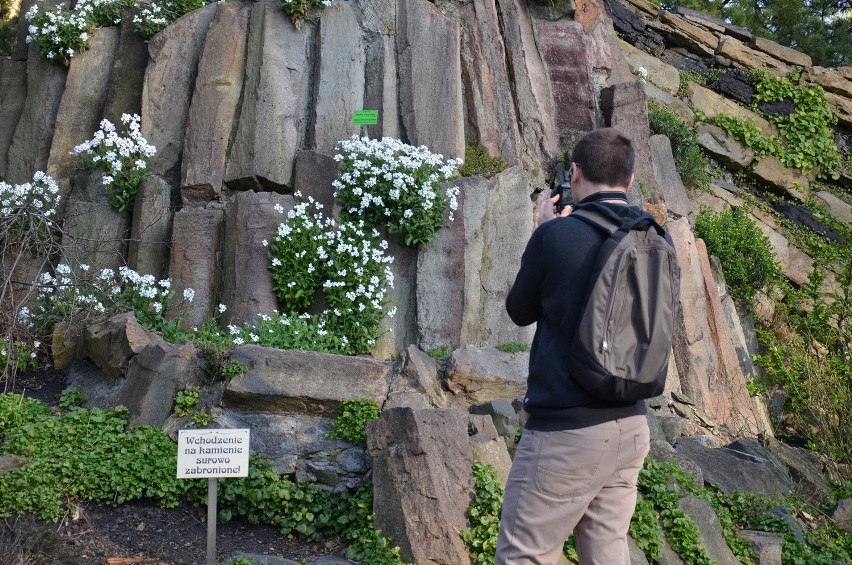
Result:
{"points": [[205, 454]]}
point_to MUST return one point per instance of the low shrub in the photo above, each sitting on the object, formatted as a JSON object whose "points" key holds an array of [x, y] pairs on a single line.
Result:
{"points": [[689, 158]]}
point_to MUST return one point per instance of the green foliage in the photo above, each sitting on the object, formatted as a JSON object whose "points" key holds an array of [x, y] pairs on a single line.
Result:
{"points": [[200, 419], [186, 400], [477, 162], [351, 421], [646, 531], [806, 141], [299, 10], [16, 356], [689, 158], [484, 514], [745, 253], [655, 484], [157, 14], [513, 347], [8, 28], [72, 397], [82, 454], [439, 353], [233, 369], [240, 560]]}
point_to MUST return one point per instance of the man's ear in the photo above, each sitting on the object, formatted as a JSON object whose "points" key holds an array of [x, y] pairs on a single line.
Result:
{"points": [[630, 184]]}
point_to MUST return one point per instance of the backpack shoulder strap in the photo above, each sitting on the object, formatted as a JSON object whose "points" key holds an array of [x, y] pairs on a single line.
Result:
{"points": [[596, 219]]}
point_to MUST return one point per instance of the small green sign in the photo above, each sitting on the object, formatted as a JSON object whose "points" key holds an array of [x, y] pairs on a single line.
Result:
{"points": [[365, 117]]}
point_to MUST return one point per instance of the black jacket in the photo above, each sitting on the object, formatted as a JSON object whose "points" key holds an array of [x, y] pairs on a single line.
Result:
{"points": [[549, 289]]}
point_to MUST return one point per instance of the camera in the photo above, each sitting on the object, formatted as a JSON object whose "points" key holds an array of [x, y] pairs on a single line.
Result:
{"points": [[562, 187]]}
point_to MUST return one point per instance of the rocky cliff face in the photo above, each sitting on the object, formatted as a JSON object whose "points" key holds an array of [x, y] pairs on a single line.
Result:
{"points": [[245, 110]]}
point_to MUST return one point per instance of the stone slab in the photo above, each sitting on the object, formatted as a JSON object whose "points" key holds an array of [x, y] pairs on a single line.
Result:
{"points": [[95, 234], [739, 52], [13, 95], [150, 230], [785, 54], [664, 76], [127, 80], [714, 105]]}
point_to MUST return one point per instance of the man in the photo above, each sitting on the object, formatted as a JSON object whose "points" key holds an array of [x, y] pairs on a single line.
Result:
{"points": [[578, 460]]}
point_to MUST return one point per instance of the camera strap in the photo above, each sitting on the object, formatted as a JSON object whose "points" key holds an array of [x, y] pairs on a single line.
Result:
{"points": [[606, 195]]}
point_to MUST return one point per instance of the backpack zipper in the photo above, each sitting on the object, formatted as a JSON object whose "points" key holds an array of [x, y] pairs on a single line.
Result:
{"points": [[611, 298]]}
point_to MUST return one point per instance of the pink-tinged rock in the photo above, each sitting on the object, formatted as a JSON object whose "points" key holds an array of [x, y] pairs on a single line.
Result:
{"points": [[262, 154], [588, 13], [340, 77], [666, 176], [563, 50], [82, 104], [430, 84], [111, 343], [215, 105], [250, 219], [490, 108], [169, 84], [196, 239], [536, 111], [30, 147]]}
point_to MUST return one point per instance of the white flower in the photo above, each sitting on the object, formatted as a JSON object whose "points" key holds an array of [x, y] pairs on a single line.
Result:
{"points": [[222, 308], [188, 294]]}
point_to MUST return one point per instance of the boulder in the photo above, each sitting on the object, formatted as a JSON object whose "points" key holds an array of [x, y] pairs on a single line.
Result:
{"points": [[802, 217], [531, 86], [666, 176], [492, 452], [215, 105], [155, 376], [670, 103], [13, 95], [30, 146], [709, 529], [250, 219], [563, 49], [342, 57], [714, 105], [482, 426], [693, 33], [66, 343], [486, 82], [732, 473], [168, 88], [661, 74], [663, 451], [422, 482], [739, 52], [477, 375], [297, 443], [99, 389], [110, 344], [715, 24], [95, 234], [719, 145], [806, 469], [831, 79], [400, 328], [502, 415], [430, 84], [683, 60], [262, 154], [632, 28], [313, 177], [842, 107], [150, 229], [781, 179], [842, 513], [194, 261], [418, 382], [838, 208], [784, 54], [645, 6], [735, 84], [293, 381], [767, 545], [127, 79]]}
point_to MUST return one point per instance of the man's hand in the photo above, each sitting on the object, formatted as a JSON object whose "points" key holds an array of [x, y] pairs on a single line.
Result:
{"points": [[547, 211]]}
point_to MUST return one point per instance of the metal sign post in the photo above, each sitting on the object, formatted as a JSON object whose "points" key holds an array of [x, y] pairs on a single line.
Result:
{"points": [[212, 454]]}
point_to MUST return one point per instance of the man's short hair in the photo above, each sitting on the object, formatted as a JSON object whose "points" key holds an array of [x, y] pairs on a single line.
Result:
{"points": [[605, 156]]}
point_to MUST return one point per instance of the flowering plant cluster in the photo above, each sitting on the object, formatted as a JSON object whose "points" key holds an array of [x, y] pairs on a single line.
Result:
{"points": [[67, 293], [157, 14], [17, 355], [346, 264], [60, 33], [298, 10], [390, 183], [28, 211], [124, 160]]}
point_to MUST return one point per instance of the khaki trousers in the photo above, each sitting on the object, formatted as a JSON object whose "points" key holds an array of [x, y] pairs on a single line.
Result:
{"points": [[576, 480]]}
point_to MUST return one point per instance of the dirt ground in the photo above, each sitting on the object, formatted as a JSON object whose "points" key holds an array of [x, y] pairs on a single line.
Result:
{"points": [[140, 532]]}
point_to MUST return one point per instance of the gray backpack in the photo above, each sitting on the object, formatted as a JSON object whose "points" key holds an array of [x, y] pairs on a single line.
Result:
{"points": [[622, 342]]}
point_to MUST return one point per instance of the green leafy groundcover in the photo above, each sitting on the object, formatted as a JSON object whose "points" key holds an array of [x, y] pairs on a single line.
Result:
{"points": [[90, 454]]}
